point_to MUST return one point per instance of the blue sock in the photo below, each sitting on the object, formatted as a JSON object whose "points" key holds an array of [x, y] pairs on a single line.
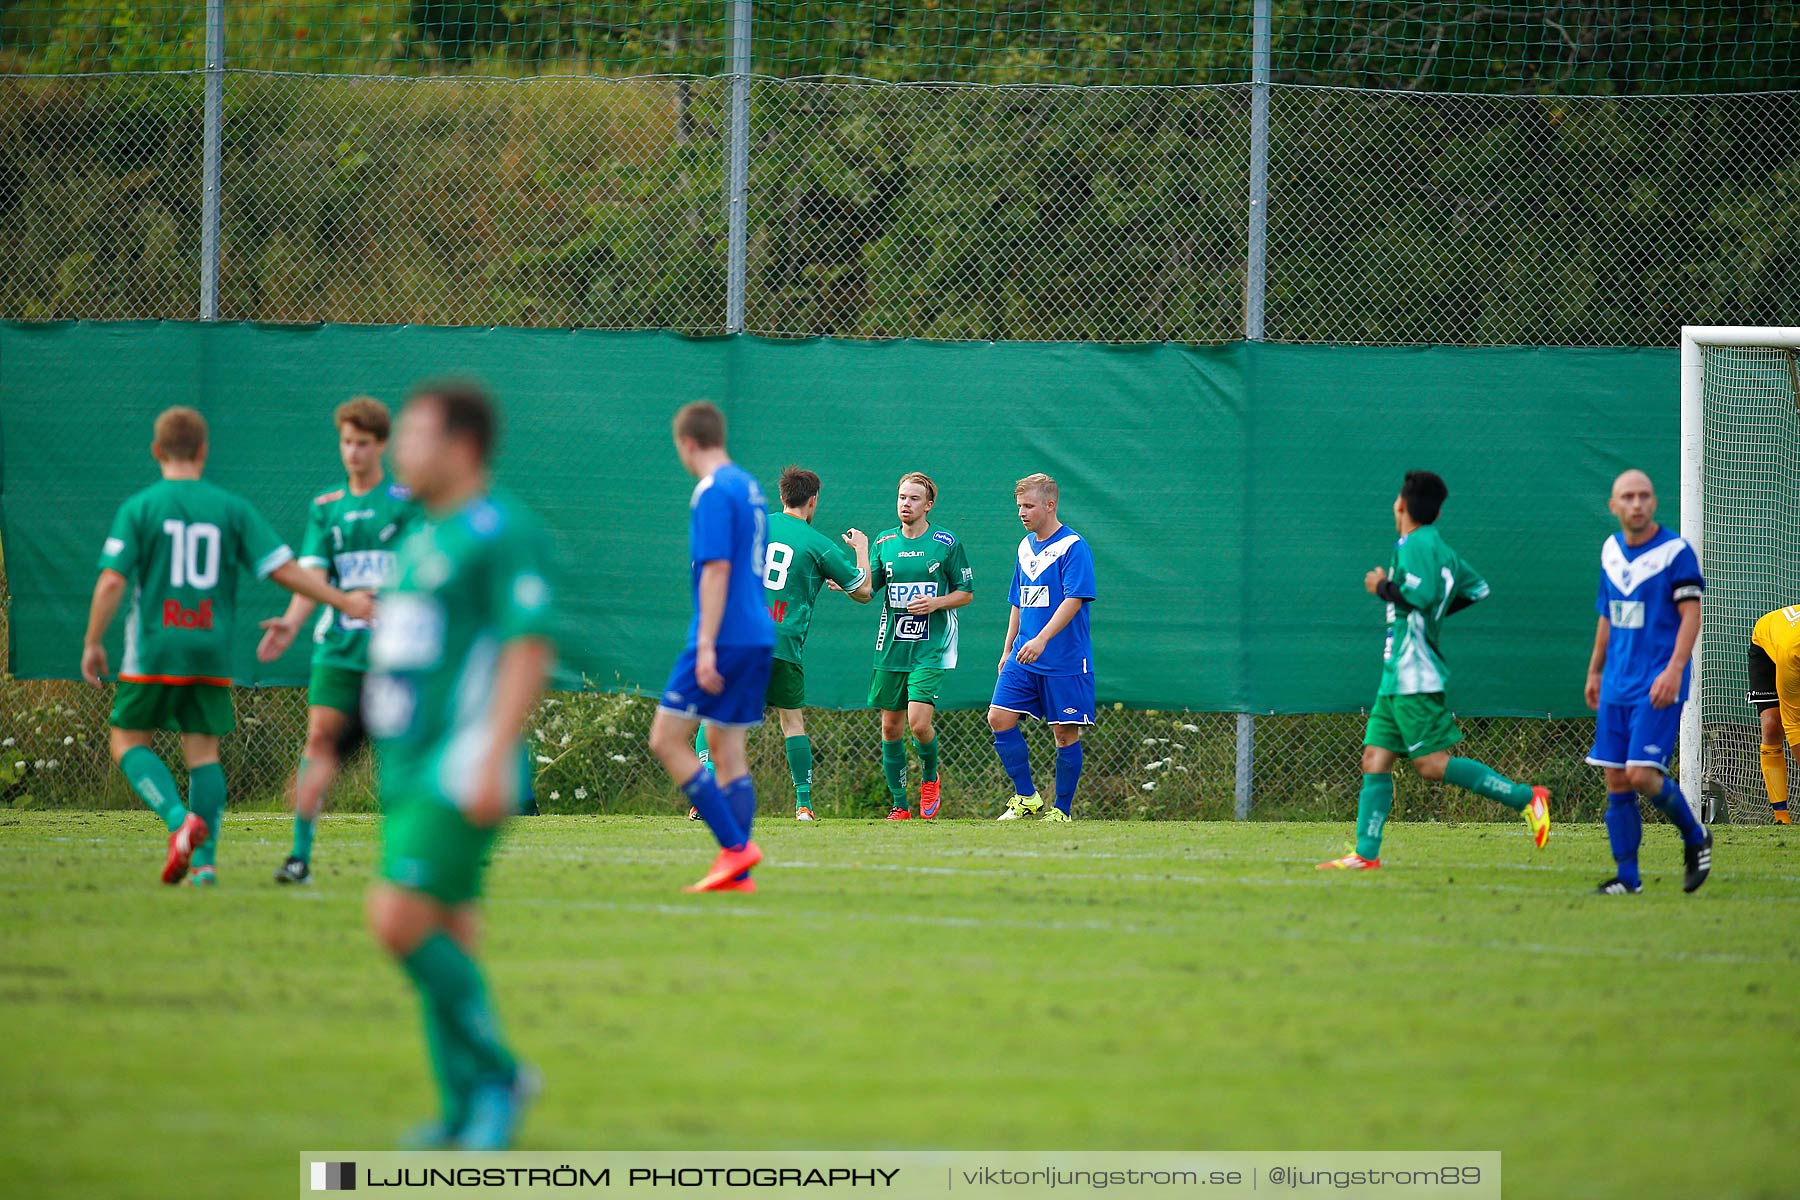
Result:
{"points": [[740, 794], [1015, 756], [1068, 774], [1673, 805], [703, 793], [1625, 830]]}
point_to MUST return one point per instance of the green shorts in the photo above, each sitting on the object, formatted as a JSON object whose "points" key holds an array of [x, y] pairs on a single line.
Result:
{"points": [[337, 688], [1412, 726], [891, 691], [183, 707], [429, 846], [787, 685]]}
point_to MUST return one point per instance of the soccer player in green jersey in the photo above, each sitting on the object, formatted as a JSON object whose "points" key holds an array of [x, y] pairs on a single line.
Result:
{"points": [[799, 562], [178, 545], [924, 574], [458, 660], [1427, 583], [352, 533]]}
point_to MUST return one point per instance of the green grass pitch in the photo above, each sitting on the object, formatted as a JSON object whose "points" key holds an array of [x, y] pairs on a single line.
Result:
{"points": [[961, 985]]}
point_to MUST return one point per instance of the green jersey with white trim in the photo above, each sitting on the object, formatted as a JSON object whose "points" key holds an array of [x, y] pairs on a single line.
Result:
{"points": [[1433, 581], [179, 543], [902, 569], [469, 581], [353, 539], [798, 561]]}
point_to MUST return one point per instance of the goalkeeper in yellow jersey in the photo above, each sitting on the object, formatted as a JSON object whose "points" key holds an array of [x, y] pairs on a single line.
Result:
{"points": [[1775, 695]]}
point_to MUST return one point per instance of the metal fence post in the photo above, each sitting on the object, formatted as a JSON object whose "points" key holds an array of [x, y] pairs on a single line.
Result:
{"points": [[737, 168], [1255, 288], [210, 164]]}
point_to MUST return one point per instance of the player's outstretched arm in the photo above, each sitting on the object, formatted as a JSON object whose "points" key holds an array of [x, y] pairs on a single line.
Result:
{"points": [[519, 679], [279, 632], [109, 589], [1059, 620], [1597, 662], [358, 606], [858, 541]]}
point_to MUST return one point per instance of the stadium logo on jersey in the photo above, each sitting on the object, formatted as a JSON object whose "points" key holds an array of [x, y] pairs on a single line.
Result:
{"points": [[912, 629], [902, 594], [1034, 565], [944, 536], [1626, 614], [1626, 574], [177, 617], [910, 554], [1034, 595]]}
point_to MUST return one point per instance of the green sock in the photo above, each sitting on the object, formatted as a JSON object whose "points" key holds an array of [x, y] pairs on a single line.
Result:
{"points": [[304, 828], [455, 1073], [206, 796], [1483, 780], [149, 777], [450, 979], [799, 752], [927, 760], [1372, 808], [893, 765], [700, 748]]}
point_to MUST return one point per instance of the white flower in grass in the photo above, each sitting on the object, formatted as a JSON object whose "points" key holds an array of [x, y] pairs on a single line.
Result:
{"points": [[1183, 770], [581, 793], [545, 758], [50, 765], [19, 766], [1149, 741], [556, 795], [1150, 785], [565, 740], [1178, 746], [1190, 729], [9, 742], [620, 758], [69, 741], [39, 764], [1157, 765]]}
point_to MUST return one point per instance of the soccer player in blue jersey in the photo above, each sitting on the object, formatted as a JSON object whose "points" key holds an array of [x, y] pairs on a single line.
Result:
{"points": [[721, 678], [1649, 603], [1047, 666]]}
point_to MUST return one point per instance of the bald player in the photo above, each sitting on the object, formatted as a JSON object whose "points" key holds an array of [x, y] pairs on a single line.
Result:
{"points": [[1649, 605]]}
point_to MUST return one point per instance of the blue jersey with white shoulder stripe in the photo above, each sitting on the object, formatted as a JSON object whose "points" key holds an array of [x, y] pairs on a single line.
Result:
{"points": [[1641, 590], [1048, 572]]}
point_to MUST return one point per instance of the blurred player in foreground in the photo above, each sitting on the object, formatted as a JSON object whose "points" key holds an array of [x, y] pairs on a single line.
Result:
{"points": [[457, 663], [178, 545], [1411, 718]]}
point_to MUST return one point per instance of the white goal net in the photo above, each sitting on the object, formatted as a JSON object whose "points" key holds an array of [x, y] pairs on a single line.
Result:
{"points": [[1740, 504]]}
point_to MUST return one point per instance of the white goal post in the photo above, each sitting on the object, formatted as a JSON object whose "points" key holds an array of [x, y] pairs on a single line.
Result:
{"points": [[1740, 468]]}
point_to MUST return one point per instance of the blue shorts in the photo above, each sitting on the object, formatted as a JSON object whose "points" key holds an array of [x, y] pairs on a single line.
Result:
{"points": [[1053, 699], [740, 705], [1636, 735]]}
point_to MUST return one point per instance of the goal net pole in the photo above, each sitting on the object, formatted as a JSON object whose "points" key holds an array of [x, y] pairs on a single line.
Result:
{"points": [[1694, 341]]}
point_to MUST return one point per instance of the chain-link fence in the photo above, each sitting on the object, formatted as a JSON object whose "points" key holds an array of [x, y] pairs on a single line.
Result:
{"points": [[1131, 170]]}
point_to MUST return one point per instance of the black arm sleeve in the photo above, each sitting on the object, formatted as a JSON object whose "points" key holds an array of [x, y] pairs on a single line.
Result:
{"points": [[1458, 604], [1388, 590]]}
